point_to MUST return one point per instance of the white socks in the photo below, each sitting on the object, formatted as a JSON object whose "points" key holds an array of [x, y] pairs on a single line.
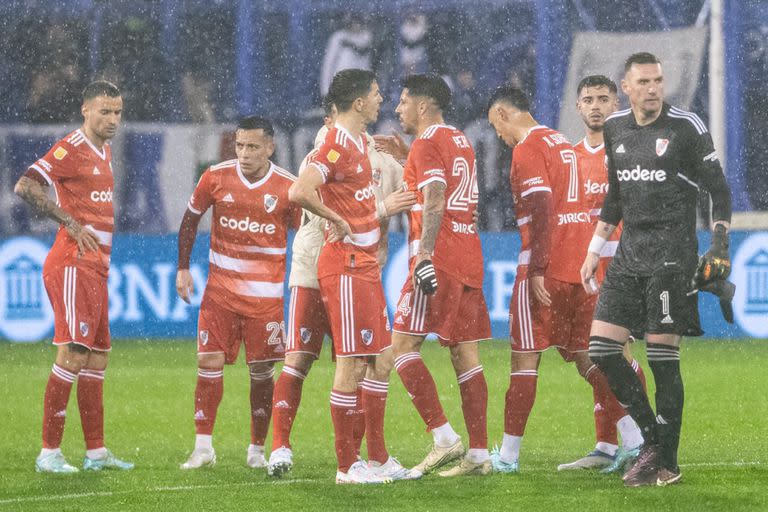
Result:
{"points": [[608, 448], [203, 442], [477, 455], [445, 435], [45, 452], [96, 454], [631, 437], [510, 448]]}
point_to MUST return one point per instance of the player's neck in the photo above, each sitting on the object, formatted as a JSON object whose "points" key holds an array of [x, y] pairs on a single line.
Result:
{"points": [[644, 117], [256, 174], [428, 121], [594, 139], [521, 130], [352, 123], [97, 141]]}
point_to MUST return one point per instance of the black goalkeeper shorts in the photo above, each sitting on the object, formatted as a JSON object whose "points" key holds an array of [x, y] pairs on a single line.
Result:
{"points": [[656, 304]]}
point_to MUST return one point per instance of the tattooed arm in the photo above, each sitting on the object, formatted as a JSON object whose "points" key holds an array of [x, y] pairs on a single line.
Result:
{"points": [[33, 193]]}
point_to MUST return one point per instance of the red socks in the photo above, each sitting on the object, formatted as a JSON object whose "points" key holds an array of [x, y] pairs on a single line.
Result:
{"points": [[55, 405], [375, 404], [90, 401], [210, 388], [519, 401], [343, 406], [262, 389], [285, 403], [421, 388], [474, 405]]}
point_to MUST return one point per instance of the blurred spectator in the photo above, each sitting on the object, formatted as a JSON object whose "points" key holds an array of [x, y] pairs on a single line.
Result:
{"points": [[413, 45], [467, 101], [756, 116], [348, 47], [196, 90]]}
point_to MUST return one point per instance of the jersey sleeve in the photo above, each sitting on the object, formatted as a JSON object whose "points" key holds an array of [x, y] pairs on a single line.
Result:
{"points": [[58, 164], [610, 212], [530, 170], [202, 197], [328, 158], [428, 163], [709, 174]]}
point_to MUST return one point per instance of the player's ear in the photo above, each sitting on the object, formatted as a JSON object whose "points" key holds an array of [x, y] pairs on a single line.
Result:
{"points": [[270, 147], [624, 86]]}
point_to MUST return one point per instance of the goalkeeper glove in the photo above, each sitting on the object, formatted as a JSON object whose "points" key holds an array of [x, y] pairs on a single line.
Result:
{"points": [[716, 263], [425, 277], [723, 290]]}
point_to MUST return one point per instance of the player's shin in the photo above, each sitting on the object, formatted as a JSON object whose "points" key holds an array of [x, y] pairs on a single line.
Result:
{"points": [[55, 405], [607, 355], [421, 388], [518, 403], [664, 361], [374, 405], [474, 406], [90, 402], [208, 393], [285, 404], [343, 405], [262, 389], [604, 410]]}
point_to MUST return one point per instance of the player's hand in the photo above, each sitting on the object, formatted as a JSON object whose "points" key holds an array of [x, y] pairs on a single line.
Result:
{"points": [[392, 144], [716, 262], [185, 286], [476, 218], [399, 201], [588, 269], [540, 292], [339, 230], [723, 290], [424, 275], [85, 238]]}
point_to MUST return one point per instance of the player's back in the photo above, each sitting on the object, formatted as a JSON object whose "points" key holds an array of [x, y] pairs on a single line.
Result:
{"points": [[546, 161], [81, 176], [249, 234], [347, 189], [443, 154]]}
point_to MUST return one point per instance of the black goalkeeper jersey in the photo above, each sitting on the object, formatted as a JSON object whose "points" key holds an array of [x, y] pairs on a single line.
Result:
{"points": [[654, 174]]}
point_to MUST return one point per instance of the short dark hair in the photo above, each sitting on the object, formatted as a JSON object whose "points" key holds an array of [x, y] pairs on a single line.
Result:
{"points": [[597, 81], [256, 123], [327, 105], [430, 85], [511, 95], [348, 85], [100, 88], [640, 58]]}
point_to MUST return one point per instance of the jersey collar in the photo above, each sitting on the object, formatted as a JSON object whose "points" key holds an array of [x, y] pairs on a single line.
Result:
{"points": [[101, 153], [358, 142], [590, 149], [537, 127], [255, 184]]}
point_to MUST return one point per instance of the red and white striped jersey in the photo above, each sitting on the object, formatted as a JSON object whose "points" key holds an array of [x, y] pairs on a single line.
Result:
{"points": [[443, 154], [81, 176], [592, 168], [347, 189], [249, 235], [544, 161]]}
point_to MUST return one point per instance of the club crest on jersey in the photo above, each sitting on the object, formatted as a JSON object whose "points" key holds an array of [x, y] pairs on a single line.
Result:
{"points": [[203, 337], [333, 156], [270, 202], [377, 177], [359, 168], [661, 146], [59, 153], [367, 336], [305, 335], [83, 329]]}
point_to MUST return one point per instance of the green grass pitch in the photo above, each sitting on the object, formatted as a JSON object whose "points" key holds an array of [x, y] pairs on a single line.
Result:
{"points": [[149, 397]]}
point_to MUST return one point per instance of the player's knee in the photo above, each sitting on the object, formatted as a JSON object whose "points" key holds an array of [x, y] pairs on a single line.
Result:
{"points": [[263, 370], [603, 350], [210, 361]]}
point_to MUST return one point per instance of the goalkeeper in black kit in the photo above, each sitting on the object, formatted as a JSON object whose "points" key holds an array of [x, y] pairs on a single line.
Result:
{"points": [[658, 157]]}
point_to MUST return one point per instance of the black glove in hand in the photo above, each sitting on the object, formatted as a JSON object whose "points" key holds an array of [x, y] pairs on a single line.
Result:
{"points": [[425, 277], [723, 290], [716, 263]]}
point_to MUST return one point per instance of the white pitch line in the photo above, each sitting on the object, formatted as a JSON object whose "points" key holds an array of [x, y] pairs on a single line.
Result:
{"points": [[176, 488]]}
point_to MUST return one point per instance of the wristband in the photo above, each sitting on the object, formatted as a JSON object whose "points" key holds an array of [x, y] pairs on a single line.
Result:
{"points": [[596, 245]]}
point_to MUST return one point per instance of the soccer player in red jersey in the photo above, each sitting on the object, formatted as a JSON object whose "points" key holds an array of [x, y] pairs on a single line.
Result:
{"points": [[243, 298], [597, 99], [443, 293], [337, 185], [549, 308], [308, 324], [79, 168]]}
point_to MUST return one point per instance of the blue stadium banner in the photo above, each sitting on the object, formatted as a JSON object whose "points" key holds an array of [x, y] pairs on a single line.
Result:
{"points": [[143, 301]]}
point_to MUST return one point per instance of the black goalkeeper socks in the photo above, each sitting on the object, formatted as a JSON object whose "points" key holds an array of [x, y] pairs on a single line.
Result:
{"points": [[608, 355], [664, 361]]}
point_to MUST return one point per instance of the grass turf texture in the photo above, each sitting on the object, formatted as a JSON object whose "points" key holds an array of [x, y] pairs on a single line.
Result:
{"points": [[149, 406]]}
